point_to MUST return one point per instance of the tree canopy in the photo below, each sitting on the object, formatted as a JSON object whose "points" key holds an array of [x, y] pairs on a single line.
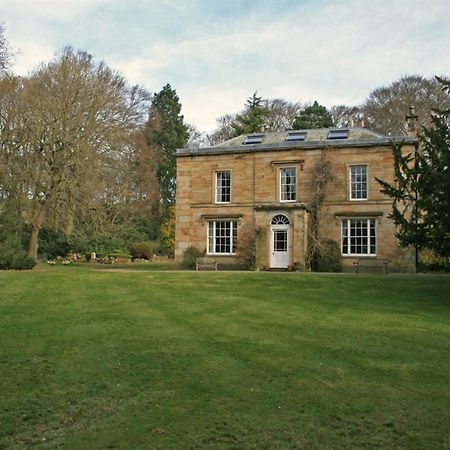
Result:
{"points": [[253, 118], [5, 51], [421, 193], [385, 107], [166, 132], [67, 130], [313, 116]]}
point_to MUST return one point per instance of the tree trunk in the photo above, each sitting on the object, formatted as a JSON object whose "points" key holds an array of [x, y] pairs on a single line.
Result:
{"points": [[34, 239], [35, 228]]}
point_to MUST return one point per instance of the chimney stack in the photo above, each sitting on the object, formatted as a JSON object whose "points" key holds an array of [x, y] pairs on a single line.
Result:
{"points": [[412, 120]]}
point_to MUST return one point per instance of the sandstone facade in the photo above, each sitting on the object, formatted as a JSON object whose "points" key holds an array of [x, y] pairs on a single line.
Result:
{"points": [[257, 174]]}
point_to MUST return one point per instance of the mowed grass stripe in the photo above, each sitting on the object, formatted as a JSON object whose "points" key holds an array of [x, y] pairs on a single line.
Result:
{"points": [[223, 360]]}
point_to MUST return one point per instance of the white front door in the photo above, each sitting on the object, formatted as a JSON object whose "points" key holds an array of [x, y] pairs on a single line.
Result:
{"points": [[279, 247]]}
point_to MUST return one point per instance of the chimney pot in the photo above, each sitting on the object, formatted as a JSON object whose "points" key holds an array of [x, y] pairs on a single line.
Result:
{"points": [[412, 120]]}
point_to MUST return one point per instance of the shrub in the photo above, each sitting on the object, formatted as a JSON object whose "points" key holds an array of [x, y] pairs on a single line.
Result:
{"points": [[13, 257], [246, 246], [430, 261], [53, 243], [329, 257], [190, 256], [145, 250], [23, 262], [167, 232]]}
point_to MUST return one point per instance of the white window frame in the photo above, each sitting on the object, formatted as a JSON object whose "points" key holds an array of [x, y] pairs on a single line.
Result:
{"points": [[280, 186], [218, 189], [211, 240], [351, 182], [368, 237]]}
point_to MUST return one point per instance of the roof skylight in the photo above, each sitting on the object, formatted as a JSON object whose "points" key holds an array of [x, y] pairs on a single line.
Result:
{"points": [[296, 136], [338, 134], [254, 139]]}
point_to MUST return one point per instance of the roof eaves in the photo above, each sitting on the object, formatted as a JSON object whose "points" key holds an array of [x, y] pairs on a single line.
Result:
{"points": [[307, 145]]}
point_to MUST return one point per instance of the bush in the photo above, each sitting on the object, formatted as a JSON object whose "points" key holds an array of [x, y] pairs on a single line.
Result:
{"points": [[246, 246], [430, 261], [329, 257], [167, 233], [145, 250], [12, 256], [23, 262], [53, 244], [190, 256]]}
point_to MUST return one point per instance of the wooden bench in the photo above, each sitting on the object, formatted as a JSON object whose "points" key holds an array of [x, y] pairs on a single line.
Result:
{"points": [[369, 263], [205, 263]]}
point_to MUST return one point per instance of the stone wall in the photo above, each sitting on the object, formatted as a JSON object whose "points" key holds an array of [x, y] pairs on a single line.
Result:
{"points": [[255, 198]]}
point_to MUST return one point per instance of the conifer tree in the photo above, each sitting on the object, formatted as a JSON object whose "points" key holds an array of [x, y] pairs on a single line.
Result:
{"points": [[166, 132], [314, 116], [421, 193], [254, 117]]}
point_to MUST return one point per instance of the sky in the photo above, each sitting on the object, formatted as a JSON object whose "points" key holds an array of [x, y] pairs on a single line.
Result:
{"points": [[216, 53]]}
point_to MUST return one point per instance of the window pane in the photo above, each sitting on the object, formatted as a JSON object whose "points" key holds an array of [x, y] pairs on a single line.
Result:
{"points": [[254, 139], [223, 186], [358, 182], [288, 184], [280, 241], [222, 237], [358, 237], [296, 136], [338, 134]]}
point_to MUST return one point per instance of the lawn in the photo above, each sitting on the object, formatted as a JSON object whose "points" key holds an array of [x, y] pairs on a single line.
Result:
{"points": [[226, 360]]}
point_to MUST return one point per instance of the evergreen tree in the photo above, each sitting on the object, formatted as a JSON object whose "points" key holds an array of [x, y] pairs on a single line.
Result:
{"points": [[314, 116], [254, 117], [421, 194], [166, 132]]}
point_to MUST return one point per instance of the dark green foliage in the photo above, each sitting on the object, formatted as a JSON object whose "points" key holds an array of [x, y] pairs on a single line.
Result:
{"points": [[13, 236], [23, 262], [53, 243], [254, 117], [102, 246], [166, 132], [329, 257], [190, 256], [421, 194], [314, 116], [145, 250], [13, 256]]}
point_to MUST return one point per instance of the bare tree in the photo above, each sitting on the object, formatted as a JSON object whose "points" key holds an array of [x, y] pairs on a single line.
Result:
{"points": [[196, 137], [282, 114], [224, 131], [77, 124], [345, 116], [385, 108], [5, 51], [279, 117]]}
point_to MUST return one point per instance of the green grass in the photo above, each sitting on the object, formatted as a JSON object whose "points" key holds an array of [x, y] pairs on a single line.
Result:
{"points": [[185, 360]]}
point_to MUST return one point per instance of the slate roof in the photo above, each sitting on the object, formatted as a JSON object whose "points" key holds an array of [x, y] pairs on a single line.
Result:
{"points": [[314, 139]]}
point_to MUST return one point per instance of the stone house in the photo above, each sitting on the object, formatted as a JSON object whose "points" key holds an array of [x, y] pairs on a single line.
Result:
{"points": [[266, 180]]}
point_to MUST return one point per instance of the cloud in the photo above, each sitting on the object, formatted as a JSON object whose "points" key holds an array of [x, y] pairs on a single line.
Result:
{"points": [[337, 55], [217, 53], [49, 10]]}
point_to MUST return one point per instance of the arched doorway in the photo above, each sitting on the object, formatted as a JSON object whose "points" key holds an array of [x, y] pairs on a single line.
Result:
{"points": [[279, 242]]}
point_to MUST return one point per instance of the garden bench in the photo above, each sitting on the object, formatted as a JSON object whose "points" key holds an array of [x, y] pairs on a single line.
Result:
{"points": [[370, 263], [205, 263]]}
